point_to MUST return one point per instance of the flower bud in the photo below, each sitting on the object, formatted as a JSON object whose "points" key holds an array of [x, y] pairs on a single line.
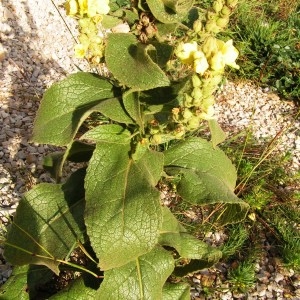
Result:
{"points": [[222, 22], [197, 102], [232, 3], [197, 26], [226, 11], [210, 46], [196, 80], [179, 131], [188, 101], [218, 5], [197, 93], [193, 123], [210, 16], [187, 114], [156, 139], [212, 27]]}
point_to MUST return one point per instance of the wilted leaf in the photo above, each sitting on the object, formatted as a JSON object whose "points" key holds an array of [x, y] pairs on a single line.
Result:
{"points": [[130, 63], [142, 278], [123, 213]]}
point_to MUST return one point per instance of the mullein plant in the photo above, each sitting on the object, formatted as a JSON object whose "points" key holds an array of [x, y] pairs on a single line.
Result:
{"points": [[202, 54], [110, 208]]}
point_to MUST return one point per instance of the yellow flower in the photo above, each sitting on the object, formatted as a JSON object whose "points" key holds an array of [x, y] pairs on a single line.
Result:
{"points": [[226, 55], [98, 7], [208, 114], [230, 54], [83, 6], [80, 51], [93, 7], [185, 52], [217, 62], [200, 62], [71, 7]]}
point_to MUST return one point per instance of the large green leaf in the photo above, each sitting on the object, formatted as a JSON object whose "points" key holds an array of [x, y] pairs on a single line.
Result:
{"points": [[66, 104], [48, 221], [170, 11], [207, 177], [123, 213], [176, 291], [130, 63], [174, 235], [142, 278], [76, 290]]}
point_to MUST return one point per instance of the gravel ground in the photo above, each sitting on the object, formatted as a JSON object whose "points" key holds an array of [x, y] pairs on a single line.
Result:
{"points": [[36, 50]]}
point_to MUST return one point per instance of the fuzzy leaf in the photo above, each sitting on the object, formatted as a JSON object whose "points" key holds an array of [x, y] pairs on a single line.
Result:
{"points": [[130, 63], [114, 109], [161, 54], [167, 11], [108, 133], [142, 278], [15, 288], [178, 291], [66, 104], [132, 106], [48, 221], [207, 177], [123, 213]]}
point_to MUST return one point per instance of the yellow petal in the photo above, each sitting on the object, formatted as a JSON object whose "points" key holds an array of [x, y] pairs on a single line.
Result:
{"points": [[230, 54], [185, 52], [200, 62], [80, 51], [217, 62], [97, 7], [71, 7], [83, 6]]}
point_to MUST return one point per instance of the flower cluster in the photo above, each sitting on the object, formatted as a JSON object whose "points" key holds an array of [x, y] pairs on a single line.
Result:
{"points": [[87, 7], [207, 56], [89, 13]]}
